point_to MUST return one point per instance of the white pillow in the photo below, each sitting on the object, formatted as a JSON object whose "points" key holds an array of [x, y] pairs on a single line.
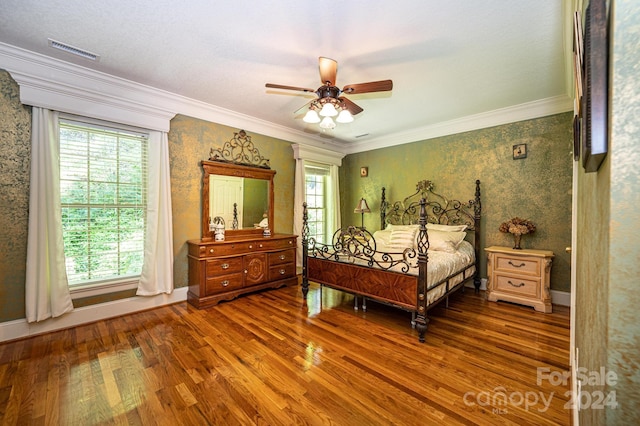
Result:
{"points": [[402, 239], [382, 237], [391, 227], [446, 228], [445, 241]]}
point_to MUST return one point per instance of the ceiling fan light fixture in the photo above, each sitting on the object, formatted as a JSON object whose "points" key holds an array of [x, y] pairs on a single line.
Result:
{"points": [[344, 117], [327, 123], [328, 110], [311, 117]]}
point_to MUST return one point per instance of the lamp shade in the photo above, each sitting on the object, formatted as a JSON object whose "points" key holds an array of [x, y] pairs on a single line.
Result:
{"points": [[327, 123], [311, 117], [328, 110], [344, 117], [362, 207]]}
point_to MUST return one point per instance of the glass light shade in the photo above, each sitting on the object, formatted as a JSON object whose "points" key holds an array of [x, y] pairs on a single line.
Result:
{"points": [[344, 117], [327, 123], [311, 117], [328, 110]]}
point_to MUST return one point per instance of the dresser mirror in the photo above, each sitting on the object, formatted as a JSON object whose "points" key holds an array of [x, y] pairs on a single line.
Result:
{"points": [[238, 187]]}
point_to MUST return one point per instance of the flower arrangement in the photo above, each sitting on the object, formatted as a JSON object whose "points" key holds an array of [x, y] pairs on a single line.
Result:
{"points": [[517, 226]]}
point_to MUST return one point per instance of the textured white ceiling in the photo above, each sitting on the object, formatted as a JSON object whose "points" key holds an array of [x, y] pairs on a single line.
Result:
{"points": [[448, 59]]}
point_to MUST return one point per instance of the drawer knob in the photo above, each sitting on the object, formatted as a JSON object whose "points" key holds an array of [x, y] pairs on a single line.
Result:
{"points": [[225, 266], [260, 245], [282, 257], [517, 266], [282, 271], [250, 246], [290, 242], [210, 250], [515, 285], [225, 283]]}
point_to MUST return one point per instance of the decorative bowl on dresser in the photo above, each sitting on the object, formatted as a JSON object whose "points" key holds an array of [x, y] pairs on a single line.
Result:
{"points": [[520, 276], [237, 187]]}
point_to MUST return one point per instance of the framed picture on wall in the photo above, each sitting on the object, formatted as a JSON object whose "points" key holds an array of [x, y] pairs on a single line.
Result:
{"points": [[593, 106]]}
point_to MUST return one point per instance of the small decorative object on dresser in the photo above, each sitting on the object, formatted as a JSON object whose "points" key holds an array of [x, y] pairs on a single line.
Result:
{"points": [[520, 276], [517, 227]]}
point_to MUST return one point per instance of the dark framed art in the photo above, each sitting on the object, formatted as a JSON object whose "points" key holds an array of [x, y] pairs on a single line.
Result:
{"points": [[593, 106], [520, 151]]}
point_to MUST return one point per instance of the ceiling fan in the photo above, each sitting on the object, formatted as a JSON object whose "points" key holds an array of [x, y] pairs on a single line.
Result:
{"points": [[330, 103]]}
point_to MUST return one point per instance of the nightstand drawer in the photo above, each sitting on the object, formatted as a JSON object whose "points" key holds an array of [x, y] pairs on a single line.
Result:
{"points": [[517, 285], [528, 266]]}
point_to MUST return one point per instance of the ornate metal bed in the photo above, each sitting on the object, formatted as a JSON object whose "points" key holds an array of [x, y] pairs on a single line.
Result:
{"points": [[357, 262]]}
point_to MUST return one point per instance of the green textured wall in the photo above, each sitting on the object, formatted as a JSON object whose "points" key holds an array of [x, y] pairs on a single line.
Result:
{"points": [[15, 154], [190, 140], [537, 187], [607, 325]]}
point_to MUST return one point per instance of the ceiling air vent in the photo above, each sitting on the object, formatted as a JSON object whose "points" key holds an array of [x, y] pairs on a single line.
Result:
{"points": [[73, 50]]}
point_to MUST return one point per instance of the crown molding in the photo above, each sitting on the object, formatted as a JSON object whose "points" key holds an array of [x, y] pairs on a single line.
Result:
{"points": [[55, 84], [51, 83], [526, 111], [312, 153]]}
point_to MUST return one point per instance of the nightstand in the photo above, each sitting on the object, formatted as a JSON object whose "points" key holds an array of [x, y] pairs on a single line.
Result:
{"points": [[519, 276]]}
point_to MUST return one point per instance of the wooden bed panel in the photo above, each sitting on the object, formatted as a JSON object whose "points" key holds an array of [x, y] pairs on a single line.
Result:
{"points": [[390, 287]]}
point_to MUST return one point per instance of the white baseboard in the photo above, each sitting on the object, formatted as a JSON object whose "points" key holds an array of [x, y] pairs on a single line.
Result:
{"points": [[18, 329], [562, 298]]}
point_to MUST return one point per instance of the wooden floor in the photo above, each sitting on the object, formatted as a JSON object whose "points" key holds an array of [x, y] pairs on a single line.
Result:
{"points": [[270, 358]]}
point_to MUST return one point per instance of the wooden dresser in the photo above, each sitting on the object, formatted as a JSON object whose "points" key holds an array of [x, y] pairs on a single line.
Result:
{"points": [[520, 276], [223, 270]]}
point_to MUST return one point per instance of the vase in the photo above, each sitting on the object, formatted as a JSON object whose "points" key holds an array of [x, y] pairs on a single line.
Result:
{"points": [[516, 241]]}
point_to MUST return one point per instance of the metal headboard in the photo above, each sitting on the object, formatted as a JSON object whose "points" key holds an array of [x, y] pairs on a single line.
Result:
{"points": [[439, 209]]}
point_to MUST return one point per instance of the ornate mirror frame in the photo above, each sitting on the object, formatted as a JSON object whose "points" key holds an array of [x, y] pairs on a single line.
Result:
{"points": [[238, 157]]}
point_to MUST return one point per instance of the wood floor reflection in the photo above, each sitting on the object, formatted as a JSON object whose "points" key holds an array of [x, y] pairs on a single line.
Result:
{"points": [[270, 358]]}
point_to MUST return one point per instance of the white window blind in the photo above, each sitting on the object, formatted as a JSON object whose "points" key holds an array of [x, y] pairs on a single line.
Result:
{"points": [[103, 191], [316, 178]]}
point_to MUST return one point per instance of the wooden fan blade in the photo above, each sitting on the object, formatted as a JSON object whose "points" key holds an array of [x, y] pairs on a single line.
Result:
{"points": [[328, 70], [350, 106], [280, 86], [372, 86]]}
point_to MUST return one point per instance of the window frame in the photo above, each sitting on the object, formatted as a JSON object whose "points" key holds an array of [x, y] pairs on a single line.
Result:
{"points": [[104, 285], [325, 174]]}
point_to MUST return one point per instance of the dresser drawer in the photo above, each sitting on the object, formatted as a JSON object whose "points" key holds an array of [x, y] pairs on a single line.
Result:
{"points": [[223, 283], [239, 247], [285, 256], [223, 266], [285, 270], [268, 244], [517, 285], [526, 266]]}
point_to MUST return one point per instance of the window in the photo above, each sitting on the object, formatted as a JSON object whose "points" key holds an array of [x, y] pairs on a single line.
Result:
{"points": [[316, 191], [103, 192]]}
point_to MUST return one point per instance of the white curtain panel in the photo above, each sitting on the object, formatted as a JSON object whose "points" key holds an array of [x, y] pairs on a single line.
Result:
{"points": [[157, 268], [334, 221], [297, 208], [46, 287]]}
